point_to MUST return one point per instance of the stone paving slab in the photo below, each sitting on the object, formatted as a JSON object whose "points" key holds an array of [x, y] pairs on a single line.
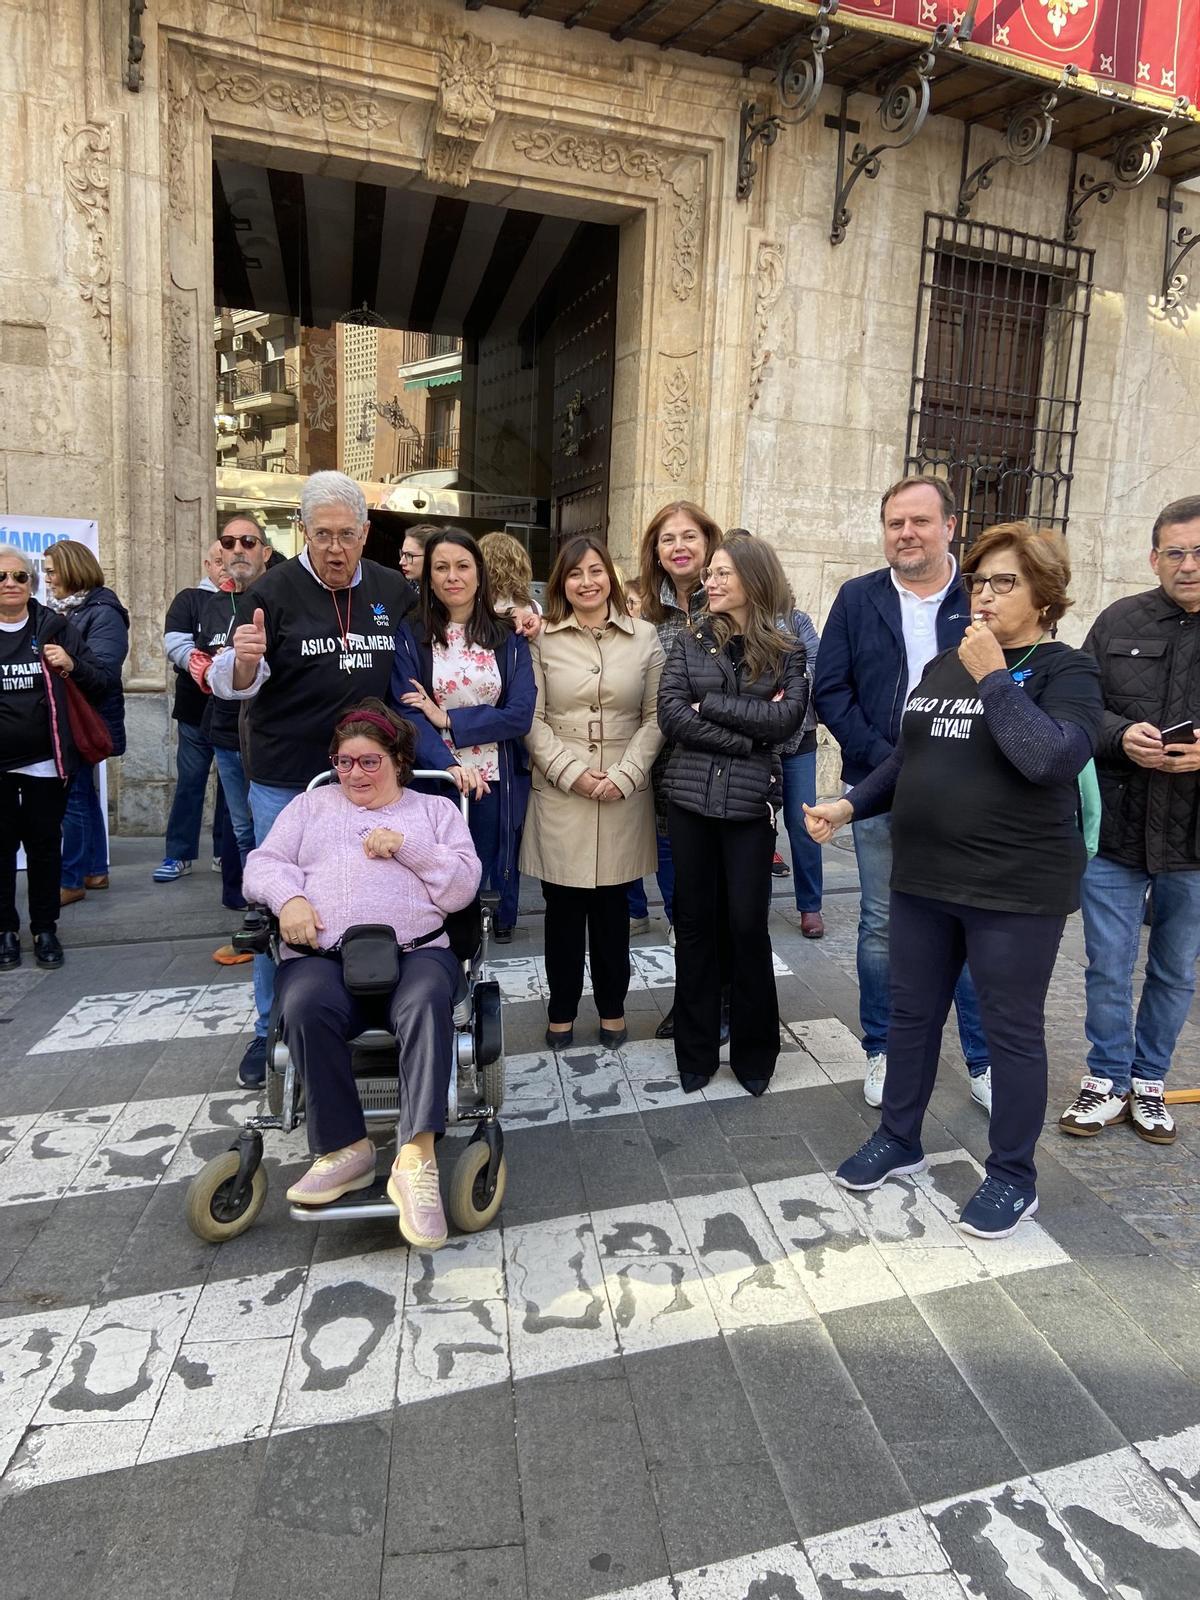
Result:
{"points": [[682, 1364]]}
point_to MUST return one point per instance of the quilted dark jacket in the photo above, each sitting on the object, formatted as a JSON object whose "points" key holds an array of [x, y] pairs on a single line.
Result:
{"points": [[1149, 654], [722, 763]]}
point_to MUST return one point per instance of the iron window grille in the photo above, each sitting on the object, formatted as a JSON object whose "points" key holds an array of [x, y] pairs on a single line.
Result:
{"points": [[998, 371]]}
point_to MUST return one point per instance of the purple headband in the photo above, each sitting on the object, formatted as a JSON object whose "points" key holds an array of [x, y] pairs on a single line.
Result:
{"points": [[372, 717]]}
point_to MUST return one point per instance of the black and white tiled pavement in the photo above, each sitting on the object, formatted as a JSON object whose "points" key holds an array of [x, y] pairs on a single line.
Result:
{"points": [[683, 1365]]}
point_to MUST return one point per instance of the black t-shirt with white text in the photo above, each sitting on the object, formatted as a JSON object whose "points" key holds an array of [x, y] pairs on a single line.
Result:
{"points": [[327, 650], [24, 712], [216, 618], [967, 827]]}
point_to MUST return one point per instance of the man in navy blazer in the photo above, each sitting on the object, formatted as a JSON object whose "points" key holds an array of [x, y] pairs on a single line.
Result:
{"points": [[883, 630]]}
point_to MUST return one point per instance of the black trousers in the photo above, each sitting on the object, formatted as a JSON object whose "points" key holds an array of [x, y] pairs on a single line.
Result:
{"points": [[31, 814], [320, 1015], [1011, 956], [599, 920], [722, 905]]}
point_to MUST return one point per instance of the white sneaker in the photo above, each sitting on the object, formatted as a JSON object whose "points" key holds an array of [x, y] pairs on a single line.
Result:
{"points": [[638, 926], [981, 1090], [1093, 1109], [873, 1082], [1149, 1113]]}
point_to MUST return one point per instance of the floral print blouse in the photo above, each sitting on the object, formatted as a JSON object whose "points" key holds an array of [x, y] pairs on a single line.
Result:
{"points": [[467, 675]]}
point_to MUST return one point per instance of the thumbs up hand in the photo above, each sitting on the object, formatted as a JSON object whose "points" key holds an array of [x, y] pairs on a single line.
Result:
{"points": [[250, 641]]}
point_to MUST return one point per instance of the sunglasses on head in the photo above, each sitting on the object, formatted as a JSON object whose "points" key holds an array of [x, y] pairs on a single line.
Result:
{"points": [[230, 541], [17, 577]]}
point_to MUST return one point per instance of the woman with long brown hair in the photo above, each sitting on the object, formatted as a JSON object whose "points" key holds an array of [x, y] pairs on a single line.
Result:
{"points": [[589, 830], [676, 548], [733, 688]]}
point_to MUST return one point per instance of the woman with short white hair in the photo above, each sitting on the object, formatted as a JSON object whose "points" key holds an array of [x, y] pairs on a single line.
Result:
{"points": [[39, 651]]}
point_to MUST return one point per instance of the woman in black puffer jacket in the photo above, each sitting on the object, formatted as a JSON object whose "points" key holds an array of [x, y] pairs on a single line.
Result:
{"points": [[734, 687]]}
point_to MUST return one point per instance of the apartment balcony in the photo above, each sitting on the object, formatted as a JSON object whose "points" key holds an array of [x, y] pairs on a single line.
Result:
{"points": [[429, 360], [268, 388], [434, 450]]}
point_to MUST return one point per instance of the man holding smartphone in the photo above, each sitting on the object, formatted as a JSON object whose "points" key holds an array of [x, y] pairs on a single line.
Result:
{"points": [[1148, 763]]}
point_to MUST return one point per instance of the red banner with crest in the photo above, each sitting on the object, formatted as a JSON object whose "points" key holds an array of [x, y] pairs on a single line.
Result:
{"points": [[1147, 45]]}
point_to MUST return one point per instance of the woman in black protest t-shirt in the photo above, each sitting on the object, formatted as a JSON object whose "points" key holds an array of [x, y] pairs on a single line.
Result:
{"points": [[39, 649], [987, 857]]}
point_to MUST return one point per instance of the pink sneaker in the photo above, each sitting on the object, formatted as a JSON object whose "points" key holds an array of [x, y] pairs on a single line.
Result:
{"points": [[415, 1194], [332, 1176]]}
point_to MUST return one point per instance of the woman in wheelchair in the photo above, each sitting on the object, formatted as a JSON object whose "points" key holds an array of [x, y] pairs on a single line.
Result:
{"points": [[360, 851]]}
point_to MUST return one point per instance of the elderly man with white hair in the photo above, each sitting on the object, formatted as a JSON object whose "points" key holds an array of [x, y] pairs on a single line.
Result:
{"points": [[315, 636]]}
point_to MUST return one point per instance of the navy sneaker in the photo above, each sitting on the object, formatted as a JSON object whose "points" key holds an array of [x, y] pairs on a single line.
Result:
{"points": [[252, 1071], [882, 1157], [996, 1209]]}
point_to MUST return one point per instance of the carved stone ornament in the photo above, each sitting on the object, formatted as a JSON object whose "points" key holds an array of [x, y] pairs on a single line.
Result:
{"points": [[292, 98], [86, 171], [685, 180], [182, 382], [465, 109], [179, 186], [589, 154], [677, 422], [768, 286]]}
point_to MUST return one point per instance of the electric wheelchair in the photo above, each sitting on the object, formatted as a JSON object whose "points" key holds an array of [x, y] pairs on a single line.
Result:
{"points": [[227, 1195]]}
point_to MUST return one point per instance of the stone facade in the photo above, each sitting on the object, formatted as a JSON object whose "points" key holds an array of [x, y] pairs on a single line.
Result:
{"points": [[758, 370]]}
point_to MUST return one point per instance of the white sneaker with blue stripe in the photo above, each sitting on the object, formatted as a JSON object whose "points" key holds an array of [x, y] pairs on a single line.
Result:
{"points": [[171, 869]]}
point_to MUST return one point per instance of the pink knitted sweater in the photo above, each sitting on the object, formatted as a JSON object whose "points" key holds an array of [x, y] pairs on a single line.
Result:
{"points": [[316, 849]]}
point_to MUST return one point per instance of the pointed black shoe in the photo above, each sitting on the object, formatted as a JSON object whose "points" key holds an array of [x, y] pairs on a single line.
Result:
{"points": [[10, 950], [754, 1086], [561, 1041], [47, 951], [613, 1038], [666, 1028], [692, 1082]]}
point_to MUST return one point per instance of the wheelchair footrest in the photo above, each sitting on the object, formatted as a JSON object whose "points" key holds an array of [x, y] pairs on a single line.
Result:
{"points": [[372, 1202]]}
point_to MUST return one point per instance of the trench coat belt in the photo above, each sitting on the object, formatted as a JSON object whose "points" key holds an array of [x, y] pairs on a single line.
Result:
{"points": [[589, 731]]}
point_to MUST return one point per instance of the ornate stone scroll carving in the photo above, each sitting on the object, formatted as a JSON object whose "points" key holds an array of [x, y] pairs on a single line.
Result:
{"points": [[465, 108], [293, 98], [685, 180], [86, 172], [687, 188], [589, 154], [677, 420], [768, 286], [179, 186], [183, 396]]}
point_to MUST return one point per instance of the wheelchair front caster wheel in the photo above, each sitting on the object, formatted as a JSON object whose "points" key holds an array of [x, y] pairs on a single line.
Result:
{"points": [[470, 1208], [213, 1212]]}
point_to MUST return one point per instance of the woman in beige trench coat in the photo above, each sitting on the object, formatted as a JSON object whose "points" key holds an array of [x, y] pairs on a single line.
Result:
{"points": [[589, 829]]}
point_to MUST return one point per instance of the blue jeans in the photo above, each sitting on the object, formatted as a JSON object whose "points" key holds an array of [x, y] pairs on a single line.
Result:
{"points": [[84, 843], [664, 876], [483, 819], [873, 850], [1113, 901], [236, 788], [799, 789], [193, 758], [266, 802]]}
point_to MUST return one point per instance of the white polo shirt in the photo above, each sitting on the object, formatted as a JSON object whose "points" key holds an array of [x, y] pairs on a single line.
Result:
{"points": [[918, 619]]}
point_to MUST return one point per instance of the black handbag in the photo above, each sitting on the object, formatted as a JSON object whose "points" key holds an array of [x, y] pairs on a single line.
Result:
{"points": [[370, 958]]}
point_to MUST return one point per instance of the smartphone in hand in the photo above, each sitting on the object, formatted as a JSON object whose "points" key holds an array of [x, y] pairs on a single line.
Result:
{"points": [[1179, 733]]}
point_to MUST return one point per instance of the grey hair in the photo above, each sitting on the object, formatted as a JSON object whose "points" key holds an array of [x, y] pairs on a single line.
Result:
{"points": [[35, 576], [332, 488]]}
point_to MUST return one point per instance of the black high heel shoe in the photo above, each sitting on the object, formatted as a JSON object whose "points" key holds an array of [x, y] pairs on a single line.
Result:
{"points": [[754, 1086], [692, 1082], [561, 1040], [666, 1028], [612, 1038]]}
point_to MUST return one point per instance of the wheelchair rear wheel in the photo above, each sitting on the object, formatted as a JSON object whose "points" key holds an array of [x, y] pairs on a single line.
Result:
{"points": [[470, 1208], [212, 1212]]}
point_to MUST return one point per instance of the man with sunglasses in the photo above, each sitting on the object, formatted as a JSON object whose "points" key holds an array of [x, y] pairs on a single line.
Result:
{"points": [[1148, 764], [183, 634], [314, 636], [883, 630], [246, 552]]}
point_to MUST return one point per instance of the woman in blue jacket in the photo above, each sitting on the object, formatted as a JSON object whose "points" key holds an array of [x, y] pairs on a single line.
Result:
{"points": [[465, 679], [75, 583]]}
